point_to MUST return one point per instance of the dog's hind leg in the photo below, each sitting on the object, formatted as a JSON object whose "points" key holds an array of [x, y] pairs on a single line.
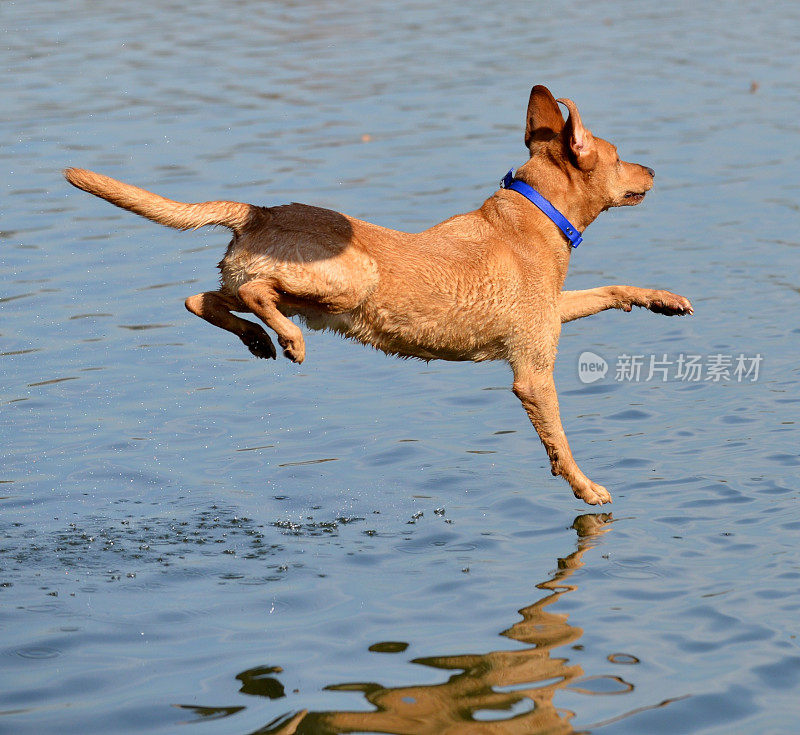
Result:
{"points": [[262, 297], [215, 307]]}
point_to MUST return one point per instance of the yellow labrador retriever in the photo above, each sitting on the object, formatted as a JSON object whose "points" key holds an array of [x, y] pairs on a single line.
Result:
{"points": [[486, 285]]}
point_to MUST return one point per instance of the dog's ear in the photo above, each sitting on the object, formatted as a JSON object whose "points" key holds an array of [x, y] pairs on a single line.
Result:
{"points": [[578, 138], [544, 116]]}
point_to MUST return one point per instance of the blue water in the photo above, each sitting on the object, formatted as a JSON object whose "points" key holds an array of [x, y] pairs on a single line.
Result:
{"points": [[194, 540]]}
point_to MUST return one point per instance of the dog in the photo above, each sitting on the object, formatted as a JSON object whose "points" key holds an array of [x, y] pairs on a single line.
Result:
{"points": [[485, 285]]}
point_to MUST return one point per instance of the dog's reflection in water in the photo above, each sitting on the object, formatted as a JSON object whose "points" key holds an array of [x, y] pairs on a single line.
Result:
{"points": [[496, 692]]}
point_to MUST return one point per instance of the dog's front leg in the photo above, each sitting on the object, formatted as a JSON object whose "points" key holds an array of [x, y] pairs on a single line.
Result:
{"points": [[578, 304], [537, 391]]}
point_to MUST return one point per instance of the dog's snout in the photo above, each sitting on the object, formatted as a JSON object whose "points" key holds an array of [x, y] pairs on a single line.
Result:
{"points": [[650, 171]]}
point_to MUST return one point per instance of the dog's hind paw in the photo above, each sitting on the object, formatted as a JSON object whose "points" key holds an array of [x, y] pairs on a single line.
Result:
{"points": [[592, 493], [295, 350], [260, 345]]}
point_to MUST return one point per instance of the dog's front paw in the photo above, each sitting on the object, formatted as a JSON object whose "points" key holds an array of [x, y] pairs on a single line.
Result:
{"points": [[260, 344], [591, 493], [668, 303]]}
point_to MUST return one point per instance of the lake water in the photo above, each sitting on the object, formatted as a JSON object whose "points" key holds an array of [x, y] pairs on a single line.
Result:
{"points": [[197, 541]]}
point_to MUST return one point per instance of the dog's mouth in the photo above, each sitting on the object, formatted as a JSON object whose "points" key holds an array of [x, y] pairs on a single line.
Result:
{"points": [[634, 197]]}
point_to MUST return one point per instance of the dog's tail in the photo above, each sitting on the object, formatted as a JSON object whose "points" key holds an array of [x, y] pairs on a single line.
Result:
{"points": [[233, 215]]}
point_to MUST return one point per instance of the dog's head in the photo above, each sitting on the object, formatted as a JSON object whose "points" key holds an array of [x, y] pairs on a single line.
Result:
{"points": [[569, 155]]}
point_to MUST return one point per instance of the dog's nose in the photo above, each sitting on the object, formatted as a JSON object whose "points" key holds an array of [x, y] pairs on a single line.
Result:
{"points": [[650, 171]]}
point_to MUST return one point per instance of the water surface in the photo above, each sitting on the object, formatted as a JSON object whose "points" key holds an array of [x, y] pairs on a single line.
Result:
{"points": [[194, 540]]}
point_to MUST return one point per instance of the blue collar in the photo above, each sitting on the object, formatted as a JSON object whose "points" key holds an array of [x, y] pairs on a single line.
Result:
{"points": [[563, 224]]}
